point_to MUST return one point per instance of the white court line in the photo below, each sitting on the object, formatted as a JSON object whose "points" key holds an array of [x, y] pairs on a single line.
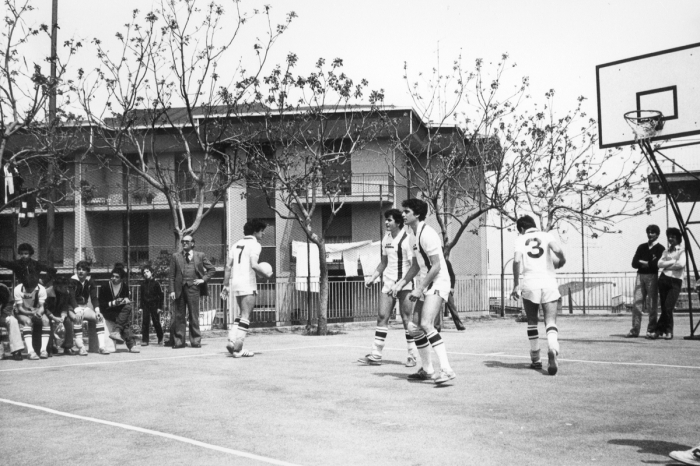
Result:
{"points": [[177, 438], [126, 361], [614, 363]]}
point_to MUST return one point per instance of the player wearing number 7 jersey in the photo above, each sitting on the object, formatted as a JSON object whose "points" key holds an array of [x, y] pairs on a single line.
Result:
{"points": [[242, 265], [537, 255]]}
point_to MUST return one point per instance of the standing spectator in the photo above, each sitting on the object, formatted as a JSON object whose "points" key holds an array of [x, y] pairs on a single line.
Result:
{"points": [[645, 261], [25, 266], [672, 266], [151, 301], [450, 304], [115, 306], [190, 271], [11, 336]]}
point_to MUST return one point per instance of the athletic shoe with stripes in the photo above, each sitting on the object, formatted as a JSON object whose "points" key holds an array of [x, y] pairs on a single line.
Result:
{"points": [[421, 375], [243, 354], [445, 376], [371, 360], [691, 456]]}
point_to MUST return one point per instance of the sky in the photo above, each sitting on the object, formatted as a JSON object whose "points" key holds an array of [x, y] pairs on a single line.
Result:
{"points": [[556, 43]]}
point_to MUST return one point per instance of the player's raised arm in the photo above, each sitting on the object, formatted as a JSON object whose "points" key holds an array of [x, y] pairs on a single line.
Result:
{"points": [[555, 247]]}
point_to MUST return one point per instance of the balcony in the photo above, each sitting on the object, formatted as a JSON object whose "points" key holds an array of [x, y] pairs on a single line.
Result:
{"points": [[114, 197], [360, 187]]}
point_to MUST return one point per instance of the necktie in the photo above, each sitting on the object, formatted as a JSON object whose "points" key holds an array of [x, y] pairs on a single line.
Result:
{"points": [[187, 257]]}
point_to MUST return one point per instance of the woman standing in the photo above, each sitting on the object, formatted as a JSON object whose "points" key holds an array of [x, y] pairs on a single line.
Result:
{"points": [[672, 266]]}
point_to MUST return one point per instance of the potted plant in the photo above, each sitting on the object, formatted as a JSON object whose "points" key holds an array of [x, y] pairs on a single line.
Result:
{"points": [[150, 195]]}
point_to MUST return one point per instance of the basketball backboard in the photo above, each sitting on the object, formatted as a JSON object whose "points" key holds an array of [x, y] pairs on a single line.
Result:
{"points": [[668, 81]]}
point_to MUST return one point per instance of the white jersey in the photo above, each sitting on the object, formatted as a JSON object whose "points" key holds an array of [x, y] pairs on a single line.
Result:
{"points": [[537, 266], [30, 300], [424, 244], [243, 275], [399, 255]]}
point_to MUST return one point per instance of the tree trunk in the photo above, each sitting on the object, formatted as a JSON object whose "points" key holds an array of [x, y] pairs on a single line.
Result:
{"points": [[323, 290]]}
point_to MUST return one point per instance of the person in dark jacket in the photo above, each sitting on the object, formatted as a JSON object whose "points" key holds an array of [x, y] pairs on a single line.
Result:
{"points": [[25, 266], [115, 306], [150, 306], [83, 305], [646, 262]]}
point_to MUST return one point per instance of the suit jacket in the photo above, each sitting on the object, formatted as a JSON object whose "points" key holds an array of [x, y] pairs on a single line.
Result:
{"points": [[108, 300], [203, 268]]}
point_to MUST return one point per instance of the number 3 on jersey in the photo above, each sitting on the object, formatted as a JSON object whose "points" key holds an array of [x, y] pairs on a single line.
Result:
{"points": [[534, 251]]}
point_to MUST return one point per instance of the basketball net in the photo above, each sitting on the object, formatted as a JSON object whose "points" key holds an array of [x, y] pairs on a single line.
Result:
{"points": [[644, 123]]}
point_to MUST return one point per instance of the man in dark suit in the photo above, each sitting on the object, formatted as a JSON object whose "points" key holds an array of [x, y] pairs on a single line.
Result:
{"points": [[190, 271]]}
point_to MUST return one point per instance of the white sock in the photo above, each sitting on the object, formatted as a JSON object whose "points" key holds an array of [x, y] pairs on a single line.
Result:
{"points": [[234, 329], [552, 337], [379, 341], [534, 337], [423, 346], [45, 335], [241, 332], [78, 335], [411, 344], [439, 347], [100, 330], [27, 337]]}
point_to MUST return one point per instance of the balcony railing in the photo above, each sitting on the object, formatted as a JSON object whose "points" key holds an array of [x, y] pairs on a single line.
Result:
{"points": [[107, 256], [358, 186]]}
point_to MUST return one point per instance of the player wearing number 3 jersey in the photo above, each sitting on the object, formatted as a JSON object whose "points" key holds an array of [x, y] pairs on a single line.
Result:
{"points": [[535, 255]]}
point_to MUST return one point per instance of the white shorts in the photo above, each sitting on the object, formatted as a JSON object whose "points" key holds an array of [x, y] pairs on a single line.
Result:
{"points": [[244, 292], [389, 284], [541, 295], [441, 289]]}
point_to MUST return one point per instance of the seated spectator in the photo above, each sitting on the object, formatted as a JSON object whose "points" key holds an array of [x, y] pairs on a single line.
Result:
{"points": [[115, 305], [29, 310], [83, 305], [11, 334]]}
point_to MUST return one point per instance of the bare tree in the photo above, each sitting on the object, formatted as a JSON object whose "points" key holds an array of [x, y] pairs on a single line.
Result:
{"points": [[178, 85], [460, 161], [564, 179], [30, 144], [312, 129]]}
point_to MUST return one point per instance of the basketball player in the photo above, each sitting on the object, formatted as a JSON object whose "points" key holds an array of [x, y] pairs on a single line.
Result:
{"points": [[537, 254], [243, 265], [432, 288], [396, 260]]}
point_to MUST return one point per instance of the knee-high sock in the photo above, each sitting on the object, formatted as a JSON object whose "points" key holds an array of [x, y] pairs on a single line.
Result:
{"points": [[411, 344], [534, 337], [439, 347], [5, 339], [552, 337], [100, 330], [423, 346], [241, 332], [233, 330], [78, 332], [45, 335], [379, 341], [27, 337]]}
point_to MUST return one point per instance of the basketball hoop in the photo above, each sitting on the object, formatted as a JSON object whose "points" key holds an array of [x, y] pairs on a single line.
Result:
{"points": [[645, 123]]}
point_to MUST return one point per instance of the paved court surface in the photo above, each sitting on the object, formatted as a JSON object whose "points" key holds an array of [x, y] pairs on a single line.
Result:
{"points": [[302, 400]]}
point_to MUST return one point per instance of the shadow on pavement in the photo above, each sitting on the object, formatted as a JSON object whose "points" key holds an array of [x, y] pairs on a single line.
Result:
{"points": [[511, 365], [656, 447]]}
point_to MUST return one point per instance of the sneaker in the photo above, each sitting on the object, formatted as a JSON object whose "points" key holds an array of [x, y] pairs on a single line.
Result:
{"points": [[668, 336], [461, 328], [371, 360], [135, 349], [631, 334], [144, 343], [33, 356], [44, 355], [82, 351], [103, 351], [160, 342], [17, 355], [536, 365], [116, 337], [691, 456], [243, 354], [445, 376], [421, 375], [649, 336], [411, 362], [553, 364], [68, 352]]}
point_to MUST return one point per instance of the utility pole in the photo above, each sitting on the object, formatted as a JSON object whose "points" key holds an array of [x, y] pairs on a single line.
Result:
{"points": [[503, 276], [51, 210], [583, 257]]}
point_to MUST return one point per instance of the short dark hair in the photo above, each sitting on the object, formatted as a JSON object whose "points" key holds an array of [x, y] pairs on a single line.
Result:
{"points": [[419, 208], [25, 247], [654, 229], [85, 265], [120, 271], [396, 215], [525, 222], [30, 281], [675, 232], [253, 226], [4, 295], [146, 267]]}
